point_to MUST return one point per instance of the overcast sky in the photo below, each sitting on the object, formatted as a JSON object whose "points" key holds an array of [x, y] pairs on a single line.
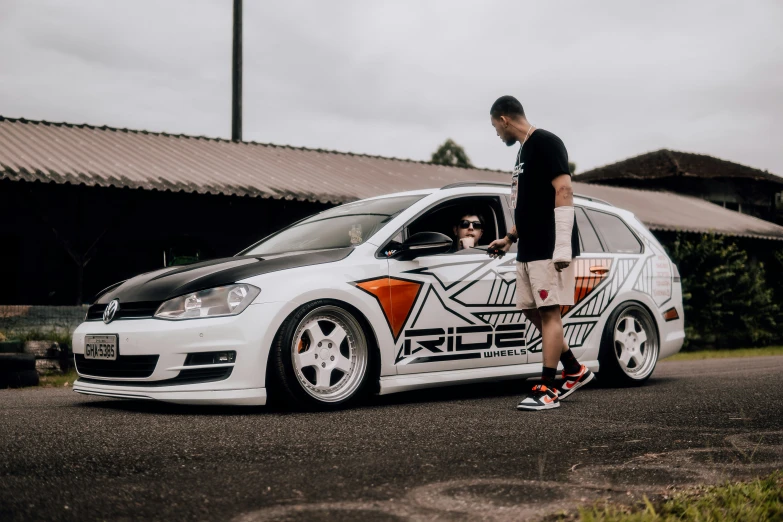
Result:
{"points": [[396, 78]]}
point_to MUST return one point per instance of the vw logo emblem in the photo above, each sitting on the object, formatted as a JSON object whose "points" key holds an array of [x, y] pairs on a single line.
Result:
{"points": [[111, 309]]}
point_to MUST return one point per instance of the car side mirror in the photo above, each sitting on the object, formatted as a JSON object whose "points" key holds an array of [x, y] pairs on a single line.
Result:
{"points": [[425, 244]]}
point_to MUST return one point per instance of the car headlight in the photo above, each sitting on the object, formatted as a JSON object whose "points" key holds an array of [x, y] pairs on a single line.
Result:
{"points": [[214, 302]]}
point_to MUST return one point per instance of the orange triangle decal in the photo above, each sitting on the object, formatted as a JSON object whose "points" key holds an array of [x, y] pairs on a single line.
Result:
{"points": [[380, 289], [403, 296], [396, 297]]}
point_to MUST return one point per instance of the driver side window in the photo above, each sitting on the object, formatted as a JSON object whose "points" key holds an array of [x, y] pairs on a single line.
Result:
{"points": [[470, 222]]}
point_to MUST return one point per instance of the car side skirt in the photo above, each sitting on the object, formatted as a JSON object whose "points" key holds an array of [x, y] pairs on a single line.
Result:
{"points": [[416, 381]]}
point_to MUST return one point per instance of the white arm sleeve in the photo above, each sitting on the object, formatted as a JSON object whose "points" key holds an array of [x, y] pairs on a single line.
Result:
{"points": [[564, 226]]}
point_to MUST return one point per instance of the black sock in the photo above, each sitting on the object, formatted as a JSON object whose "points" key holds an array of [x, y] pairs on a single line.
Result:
{"points": [[548, 376], [570, 364]]}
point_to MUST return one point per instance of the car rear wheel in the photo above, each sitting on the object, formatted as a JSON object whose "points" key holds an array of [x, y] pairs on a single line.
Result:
{"points": [[322, 356], [629, 346]]}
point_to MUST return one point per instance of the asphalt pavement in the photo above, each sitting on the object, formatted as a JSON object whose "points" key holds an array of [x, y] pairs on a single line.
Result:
{"points": [[457, 453]]}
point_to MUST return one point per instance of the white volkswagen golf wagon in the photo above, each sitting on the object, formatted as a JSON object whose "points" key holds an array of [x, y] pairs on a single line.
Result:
{"points": [[373, 297]]}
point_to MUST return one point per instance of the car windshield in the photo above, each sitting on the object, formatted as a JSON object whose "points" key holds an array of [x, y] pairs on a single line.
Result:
{"points": [[339, 227]]}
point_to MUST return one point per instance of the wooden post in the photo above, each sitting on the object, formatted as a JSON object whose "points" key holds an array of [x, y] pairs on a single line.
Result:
{"points": [[236, 70]]}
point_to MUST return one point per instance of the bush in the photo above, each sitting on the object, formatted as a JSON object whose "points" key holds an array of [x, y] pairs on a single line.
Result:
{"points": [[61, 336], [727, 300]]}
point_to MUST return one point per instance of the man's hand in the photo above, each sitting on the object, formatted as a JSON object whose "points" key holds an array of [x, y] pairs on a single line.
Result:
{"points": [[561, 265], [499, 244], [466, 242]]}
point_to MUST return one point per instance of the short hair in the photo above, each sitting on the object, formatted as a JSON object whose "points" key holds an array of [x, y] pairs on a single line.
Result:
{"points": [[506, 106], [470, 212]]}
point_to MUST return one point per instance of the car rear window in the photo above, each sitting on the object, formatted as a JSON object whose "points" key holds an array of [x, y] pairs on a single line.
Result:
{"points": [[616, 235]]}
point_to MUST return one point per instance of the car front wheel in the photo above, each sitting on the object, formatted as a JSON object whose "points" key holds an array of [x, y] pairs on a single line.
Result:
{"points": [[629, 346], [321, 356]]}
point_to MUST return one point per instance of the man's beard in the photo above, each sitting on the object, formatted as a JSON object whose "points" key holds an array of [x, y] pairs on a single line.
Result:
{"points": [[510, 142]]}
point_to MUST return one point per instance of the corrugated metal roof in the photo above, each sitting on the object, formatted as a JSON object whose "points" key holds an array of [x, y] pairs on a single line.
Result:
{"points": [[675, 212], [105, 156], [666, 163]]}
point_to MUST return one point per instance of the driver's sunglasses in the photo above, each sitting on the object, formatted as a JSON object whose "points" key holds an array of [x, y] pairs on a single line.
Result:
{"points": [[466, 224]]}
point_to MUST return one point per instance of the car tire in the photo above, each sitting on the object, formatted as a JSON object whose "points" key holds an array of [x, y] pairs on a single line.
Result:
{"points": [[630, 346], [322, 357], [18, 379], [15, 362]]}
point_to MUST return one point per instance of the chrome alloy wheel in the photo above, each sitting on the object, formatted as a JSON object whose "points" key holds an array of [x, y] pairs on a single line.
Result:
{"points": [[329, 354], [636, 342]]}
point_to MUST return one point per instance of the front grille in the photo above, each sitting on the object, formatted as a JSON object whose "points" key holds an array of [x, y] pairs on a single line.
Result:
{"points": [[138, 366], [185, 377], [139, 310]]}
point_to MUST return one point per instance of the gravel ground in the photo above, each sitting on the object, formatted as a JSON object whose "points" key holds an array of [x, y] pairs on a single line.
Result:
{"points": [[459, 453]]}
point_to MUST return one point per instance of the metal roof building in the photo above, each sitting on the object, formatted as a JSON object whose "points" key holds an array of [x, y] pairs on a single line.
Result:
{"points": [[120, 202], [725, 183], [109, 157]]}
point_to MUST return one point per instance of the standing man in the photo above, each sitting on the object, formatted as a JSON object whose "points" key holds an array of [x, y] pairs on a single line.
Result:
{"points": [[543, 202]]}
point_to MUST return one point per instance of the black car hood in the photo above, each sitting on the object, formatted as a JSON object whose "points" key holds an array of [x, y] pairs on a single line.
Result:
{"points": [[161, 285]]}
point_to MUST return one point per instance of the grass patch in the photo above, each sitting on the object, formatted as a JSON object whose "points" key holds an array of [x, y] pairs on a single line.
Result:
{"points": [[722, 354], [756, 501], [58, 380]]}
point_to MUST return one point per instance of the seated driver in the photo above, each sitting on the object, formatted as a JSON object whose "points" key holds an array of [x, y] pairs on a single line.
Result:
{"points": [[467, 231]]}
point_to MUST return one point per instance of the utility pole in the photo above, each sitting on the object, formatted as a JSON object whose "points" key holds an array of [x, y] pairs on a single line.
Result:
{"points": [[236, 75]]}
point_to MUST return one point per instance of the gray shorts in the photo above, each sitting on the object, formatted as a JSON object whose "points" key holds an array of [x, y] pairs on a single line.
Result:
{"points": [[539, 284]]}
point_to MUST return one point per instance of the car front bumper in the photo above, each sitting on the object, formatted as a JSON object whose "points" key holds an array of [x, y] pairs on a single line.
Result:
{"points": [[249, 334]]}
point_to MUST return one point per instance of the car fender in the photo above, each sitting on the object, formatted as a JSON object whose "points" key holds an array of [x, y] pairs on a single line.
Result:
{"points": [[305, 289]]}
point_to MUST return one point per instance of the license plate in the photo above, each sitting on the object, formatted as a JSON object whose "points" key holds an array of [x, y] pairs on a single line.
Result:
{"points": [[100, 347]]}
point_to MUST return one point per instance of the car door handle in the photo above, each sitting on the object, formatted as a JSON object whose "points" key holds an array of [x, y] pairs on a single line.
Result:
{"points": [[599, 269]]}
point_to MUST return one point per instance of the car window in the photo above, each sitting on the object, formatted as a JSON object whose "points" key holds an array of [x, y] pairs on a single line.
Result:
{"points": [[615, 234], [446, 216], [346, 225], [588, 238]]}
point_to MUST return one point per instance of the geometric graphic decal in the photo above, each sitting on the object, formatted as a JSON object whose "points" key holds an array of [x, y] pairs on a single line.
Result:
{"points": [[426, 333], [534, 339], [644, 282], [437, 313], [461, 308], [491, 289], [451, 274], [396, 297], [500, 317], [502, 292], [575, 335], [655, 278], [475, 292], [465, 309], [587, 280], [599, 302]]}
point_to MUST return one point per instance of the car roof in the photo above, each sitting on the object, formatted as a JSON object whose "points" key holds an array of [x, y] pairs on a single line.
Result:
{"points": [[490, 187]]}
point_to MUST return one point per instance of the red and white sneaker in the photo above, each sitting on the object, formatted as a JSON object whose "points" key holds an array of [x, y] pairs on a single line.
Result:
{"points": [[571, 383], [541, 398]]}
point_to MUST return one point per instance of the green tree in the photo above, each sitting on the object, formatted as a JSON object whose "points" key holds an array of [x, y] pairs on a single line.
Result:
{"points": [[452, 155], [775, 281], [727, 300], [572, 167]]}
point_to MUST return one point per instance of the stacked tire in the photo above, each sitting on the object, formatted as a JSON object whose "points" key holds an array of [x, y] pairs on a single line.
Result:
{"points": [[16, 369]]}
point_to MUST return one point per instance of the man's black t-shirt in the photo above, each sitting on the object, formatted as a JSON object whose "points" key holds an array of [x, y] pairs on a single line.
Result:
{"points": [[541, 159]]}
